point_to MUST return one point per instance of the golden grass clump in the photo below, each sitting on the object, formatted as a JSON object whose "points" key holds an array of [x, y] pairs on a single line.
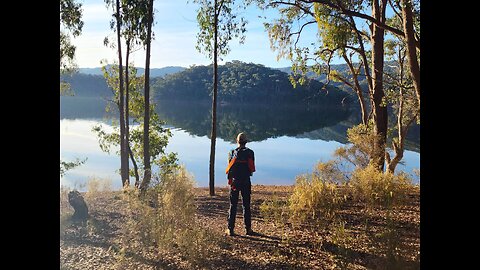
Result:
{"points": [[377, 188]]}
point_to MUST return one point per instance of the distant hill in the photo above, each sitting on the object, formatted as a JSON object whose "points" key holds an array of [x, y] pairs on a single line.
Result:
{"points": [[154, 72], [89, 82], [87, 85], [244, 82], [238, 81]]}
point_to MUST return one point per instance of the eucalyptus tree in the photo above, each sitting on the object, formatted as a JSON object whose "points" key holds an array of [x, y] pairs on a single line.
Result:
{"points": [[400, 92], [116, 26], [137, 14], [159, 135], [130, 19], [341, 35], [70, 22], [410, 19], [219, 23], [146, 134]]}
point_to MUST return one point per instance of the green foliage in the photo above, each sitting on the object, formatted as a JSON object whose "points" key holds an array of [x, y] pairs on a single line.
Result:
{"points": [[230, 25], [158, 134], [86, 85], [71, 16], [334, 31], [242, 82], [66, 166], [70, 23], [360, 151], [336, 36], [65, 89]]}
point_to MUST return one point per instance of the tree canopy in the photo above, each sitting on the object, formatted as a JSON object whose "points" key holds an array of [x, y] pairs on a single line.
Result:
{"points": [[245, 82]]}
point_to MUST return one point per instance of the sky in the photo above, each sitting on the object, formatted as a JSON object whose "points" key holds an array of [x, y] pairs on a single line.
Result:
{"points": [[175, 38]]}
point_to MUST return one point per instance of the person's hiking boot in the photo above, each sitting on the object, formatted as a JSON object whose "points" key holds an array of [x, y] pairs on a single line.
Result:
{"points": [[250, 232], [229, 232]]}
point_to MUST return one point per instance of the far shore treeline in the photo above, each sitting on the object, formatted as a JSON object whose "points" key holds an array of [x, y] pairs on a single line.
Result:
{"points": [[239, 82]]}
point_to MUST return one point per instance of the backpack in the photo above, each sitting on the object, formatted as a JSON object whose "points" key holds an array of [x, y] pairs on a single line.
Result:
{"points": [[241, 165]]}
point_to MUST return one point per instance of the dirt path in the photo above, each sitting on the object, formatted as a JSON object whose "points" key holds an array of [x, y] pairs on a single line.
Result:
{"points": [[92, 245]]}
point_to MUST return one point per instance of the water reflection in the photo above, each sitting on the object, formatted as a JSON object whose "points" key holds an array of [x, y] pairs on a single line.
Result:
{"points": [[260, 122], [288, 141]]}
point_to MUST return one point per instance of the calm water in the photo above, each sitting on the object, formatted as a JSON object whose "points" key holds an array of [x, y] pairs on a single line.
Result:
{"points": [[287, 141]]}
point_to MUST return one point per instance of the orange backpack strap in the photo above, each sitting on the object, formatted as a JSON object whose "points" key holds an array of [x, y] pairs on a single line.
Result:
{"points": [[232, 161], [230, 164]]}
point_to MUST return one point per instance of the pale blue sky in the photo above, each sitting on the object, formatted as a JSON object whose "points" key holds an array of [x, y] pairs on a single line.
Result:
{"points": [[175, 38]]}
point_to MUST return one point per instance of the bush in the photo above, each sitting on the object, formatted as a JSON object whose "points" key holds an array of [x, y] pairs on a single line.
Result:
{"points": [[376, 188], [165, 218], [313, 197]]}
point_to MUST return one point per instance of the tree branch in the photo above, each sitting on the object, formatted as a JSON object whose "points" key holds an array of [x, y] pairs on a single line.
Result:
{"points": [[299, 32], [396, 12], [357, 14], [219, 8], [291, 4]]}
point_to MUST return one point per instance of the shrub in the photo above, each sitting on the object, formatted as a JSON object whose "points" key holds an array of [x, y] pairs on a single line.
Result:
{"points": [[376, 188], [165, 218], [313, 197]]}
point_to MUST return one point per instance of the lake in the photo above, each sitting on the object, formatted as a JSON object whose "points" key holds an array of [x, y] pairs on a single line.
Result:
{"points": [[287, 140]]}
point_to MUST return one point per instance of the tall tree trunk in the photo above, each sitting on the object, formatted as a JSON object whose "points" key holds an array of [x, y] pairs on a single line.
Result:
{"points": [[357, 89], [127, 88], [398, 146], [127, 112], [407, 14], [135, 167], [380, 112], [123, 145], [211, 182], [146, 126]]}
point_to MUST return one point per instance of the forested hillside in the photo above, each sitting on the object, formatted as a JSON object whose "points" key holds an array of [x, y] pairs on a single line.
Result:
{"points": [[86, 85], [245, 82]]}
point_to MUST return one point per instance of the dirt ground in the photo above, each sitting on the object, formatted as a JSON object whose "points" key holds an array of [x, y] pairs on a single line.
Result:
{"points": [[365, 243]]}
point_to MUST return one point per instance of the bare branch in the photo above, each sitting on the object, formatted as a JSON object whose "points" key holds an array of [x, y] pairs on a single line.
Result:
{"points": [[396, 12], [296, 4], [299, 32], [219, 8]]}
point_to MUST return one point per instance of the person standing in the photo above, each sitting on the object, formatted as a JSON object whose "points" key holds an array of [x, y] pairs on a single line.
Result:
{"points": [[241, 165]]}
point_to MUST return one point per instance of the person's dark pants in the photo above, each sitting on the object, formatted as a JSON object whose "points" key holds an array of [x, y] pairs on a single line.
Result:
{"points": [[245, 190]]}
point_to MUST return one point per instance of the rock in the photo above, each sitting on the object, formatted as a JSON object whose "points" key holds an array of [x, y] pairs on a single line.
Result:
{"points": [[78, 203]]}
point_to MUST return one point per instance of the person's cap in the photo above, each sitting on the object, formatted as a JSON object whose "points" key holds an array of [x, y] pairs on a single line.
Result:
{"points": [[242, 138]]}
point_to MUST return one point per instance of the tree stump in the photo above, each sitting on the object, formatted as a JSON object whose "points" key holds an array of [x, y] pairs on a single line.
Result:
{"points": [[78, 203]]}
